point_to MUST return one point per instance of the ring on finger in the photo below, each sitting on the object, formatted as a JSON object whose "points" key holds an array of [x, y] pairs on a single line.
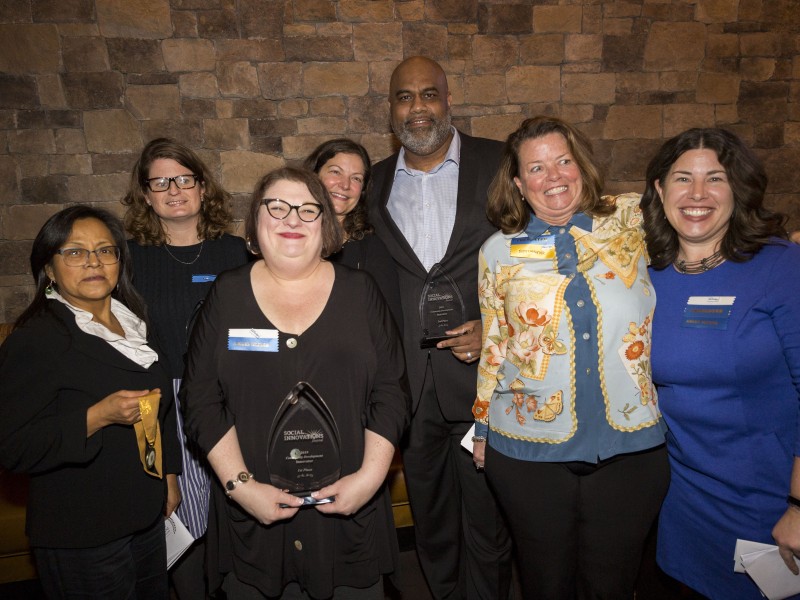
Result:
{"points": [[469, 355]]}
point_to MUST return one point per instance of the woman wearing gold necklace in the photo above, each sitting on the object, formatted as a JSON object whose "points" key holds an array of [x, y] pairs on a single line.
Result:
{"points": [[726, 359], [178, 217]]}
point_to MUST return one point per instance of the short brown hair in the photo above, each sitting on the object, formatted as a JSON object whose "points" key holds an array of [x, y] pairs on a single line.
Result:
{"points": [[143, 223], [507, 209], [332, 237]]}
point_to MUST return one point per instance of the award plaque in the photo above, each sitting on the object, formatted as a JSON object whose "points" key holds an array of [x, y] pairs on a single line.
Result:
{"points": [[441, 307], [303, 445]]}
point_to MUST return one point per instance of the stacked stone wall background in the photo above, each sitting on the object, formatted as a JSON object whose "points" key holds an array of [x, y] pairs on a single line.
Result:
{"points": [[251, 84]]}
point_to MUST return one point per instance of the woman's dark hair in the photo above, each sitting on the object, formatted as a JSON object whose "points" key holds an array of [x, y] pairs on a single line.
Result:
{"points": [[332, 238], [143, 223], [507, 209], [54, 234], [751, 225], [355, 222]]}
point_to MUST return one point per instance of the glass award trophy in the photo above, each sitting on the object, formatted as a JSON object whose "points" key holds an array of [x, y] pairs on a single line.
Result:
{"points": [[441, 307], [303, 445]]}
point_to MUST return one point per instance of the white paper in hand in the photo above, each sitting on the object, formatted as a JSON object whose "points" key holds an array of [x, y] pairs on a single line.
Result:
{"points": [[767, 569], [466, 441], [178, 538]]}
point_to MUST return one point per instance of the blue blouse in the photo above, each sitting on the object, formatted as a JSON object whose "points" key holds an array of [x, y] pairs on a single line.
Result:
{"points": [[565, 366]]}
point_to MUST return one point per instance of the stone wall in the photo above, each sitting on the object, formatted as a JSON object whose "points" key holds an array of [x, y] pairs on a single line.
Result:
{"points": [[253, 83]]}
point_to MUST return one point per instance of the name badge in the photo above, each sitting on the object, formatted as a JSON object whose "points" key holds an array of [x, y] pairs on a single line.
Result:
{"points": [[253, 340], [203, 278], [708, 312], [543, 246]]}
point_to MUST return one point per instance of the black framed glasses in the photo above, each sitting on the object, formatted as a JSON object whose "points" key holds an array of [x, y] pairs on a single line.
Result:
{"points": [[78, 257], [161, 184], [280, 209]]}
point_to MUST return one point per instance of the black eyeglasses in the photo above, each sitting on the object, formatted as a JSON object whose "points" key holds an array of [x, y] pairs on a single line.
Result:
{"points": [[77, 257], [161, 184], [280, 209]]}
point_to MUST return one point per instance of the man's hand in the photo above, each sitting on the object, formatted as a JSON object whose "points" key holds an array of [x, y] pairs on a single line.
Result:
{"points": [[466, 345]]}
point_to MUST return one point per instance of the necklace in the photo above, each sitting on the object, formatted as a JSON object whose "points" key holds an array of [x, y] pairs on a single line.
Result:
{"points": [[182, 261], [699, 266]]}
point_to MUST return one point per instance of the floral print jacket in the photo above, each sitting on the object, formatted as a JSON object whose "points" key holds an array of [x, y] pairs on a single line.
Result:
{"points": [[568, 321]]}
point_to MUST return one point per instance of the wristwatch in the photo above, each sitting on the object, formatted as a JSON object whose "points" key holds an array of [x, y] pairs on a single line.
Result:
{"points": [[242, 477]]}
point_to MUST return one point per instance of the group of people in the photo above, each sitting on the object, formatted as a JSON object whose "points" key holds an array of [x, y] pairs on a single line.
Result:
{"points": [[620, 357]]}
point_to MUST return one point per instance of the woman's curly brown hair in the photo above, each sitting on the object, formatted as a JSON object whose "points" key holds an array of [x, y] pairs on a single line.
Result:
{"points": [[142, 222], [751, 225], [355, 222]]}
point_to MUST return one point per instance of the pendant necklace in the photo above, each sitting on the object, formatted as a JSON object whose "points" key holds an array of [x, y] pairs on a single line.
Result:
{"points": [[183, 262]]}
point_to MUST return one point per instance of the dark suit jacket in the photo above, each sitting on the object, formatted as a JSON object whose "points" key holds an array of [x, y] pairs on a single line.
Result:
{"points": [[455, 381], [84, 492]]}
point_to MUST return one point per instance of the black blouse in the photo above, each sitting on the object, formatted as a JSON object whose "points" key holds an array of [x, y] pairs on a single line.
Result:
{"points": [[353, 357]]}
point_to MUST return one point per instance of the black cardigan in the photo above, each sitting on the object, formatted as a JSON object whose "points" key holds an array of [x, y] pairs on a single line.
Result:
{"points": [[84, 492]]}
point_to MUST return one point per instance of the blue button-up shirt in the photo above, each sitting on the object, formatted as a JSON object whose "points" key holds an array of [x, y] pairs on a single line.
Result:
{"points": [[565, 368], [423, 204]]}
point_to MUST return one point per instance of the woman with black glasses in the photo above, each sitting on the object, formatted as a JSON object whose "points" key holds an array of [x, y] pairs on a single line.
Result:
{"points": [[81, 412], [178, 217], [293, 317]]}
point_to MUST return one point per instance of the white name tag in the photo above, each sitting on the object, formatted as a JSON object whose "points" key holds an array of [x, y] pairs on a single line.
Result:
{"points": [[253, 340], [711, 300]]}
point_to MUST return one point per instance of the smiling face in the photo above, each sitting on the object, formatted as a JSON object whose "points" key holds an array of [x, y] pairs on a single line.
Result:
{"points": [[420, 106], [549, 178], [343, 177], [698, 202], [88, 286], [174, 204], [289, 238]]}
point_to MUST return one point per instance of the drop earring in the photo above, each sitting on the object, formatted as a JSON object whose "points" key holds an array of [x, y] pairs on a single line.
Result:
{"points": [[48, 291]]}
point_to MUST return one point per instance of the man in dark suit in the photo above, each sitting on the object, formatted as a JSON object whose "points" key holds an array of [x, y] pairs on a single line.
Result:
{"points": [[428, 206]]}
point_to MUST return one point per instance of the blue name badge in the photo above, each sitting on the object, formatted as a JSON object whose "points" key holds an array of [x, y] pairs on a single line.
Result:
{"points": [[203, 278], [707, 312], [543, 246], [253, 340]]}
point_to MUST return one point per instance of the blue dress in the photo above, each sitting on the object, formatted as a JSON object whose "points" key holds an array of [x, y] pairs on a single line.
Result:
{"points": [[729, 390]]}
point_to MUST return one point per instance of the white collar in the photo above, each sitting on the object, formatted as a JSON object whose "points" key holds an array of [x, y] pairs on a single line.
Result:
{"points": [[133, 345]]}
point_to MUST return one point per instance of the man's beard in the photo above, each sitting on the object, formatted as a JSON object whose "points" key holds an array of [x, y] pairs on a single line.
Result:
{"points": [[424, 141]]}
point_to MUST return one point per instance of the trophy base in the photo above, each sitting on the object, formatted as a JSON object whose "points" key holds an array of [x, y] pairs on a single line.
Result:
{"points": [[310, 501], [431, 341]]}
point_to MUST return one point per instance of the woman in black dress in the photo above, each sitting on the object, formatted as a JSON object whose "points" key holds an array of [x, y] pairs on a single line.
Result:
{"points": [[290, 317], [344, 168], [179, 215]]}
